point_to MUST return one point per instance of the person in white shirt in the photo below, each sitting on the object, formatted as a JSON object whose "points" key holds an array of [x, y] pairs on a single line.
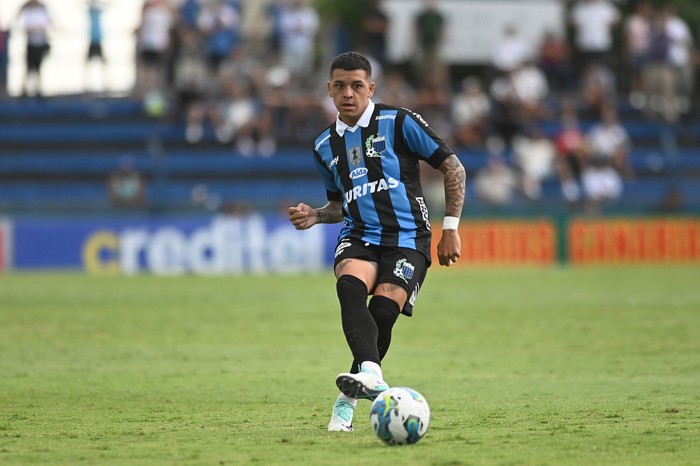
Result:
{"points": [[35, 21], [593, 21], [680, 54], [535, 155], [637, 34], [470, 113], [511, 50], [153, 41], [299, 24], [605, 161]]}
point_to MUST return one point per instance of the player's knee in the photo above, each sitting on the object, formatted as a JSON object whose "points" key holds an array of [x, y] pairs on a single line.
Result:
{"points": [[349, 286], [384, 311]]}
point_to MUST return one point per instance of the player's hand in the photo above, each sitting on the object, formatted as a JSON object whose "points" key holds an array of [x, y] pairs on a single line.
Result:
{"points": [[302, 216], [449, 248]]}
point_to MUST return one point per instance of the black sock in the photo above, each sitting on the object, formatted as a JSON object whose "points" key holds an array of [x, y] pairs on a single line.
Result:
{"points": [[358, 325], [384, 311]]}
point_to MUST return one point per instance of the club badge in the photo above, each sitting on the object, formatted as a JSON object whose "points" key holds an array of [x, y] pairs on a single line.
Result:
{"points": [[404, 270], [375, 145]]}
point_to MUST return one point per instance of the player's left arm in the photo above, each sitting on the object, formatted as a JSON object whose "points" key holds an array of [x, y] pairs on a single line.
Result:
{"points": [[450, 246]]}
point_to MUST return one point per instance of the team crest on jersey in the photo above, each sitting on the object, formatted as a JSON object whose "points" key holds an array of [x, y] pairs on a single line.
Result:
{"points": [[404, 270], [355, 155], [375, 145]]}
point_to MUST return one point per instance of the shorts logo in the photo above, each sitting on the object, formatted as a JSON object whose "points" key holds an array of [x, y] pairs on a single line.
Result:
{"points": [[404, 270], [358, 173], [414, 295], [375, 145], [355, 155], [341, 247]]}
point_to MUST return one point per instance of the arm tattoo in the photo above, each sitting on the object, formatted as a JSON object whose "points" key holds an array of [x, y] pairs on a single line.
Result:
{"points": [[330, 213], [455, 180]]}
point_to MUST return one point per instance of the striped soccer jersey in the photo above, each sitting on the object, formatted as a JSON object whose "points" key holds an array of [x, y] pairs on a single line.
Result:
{"points": [[375, 171]]}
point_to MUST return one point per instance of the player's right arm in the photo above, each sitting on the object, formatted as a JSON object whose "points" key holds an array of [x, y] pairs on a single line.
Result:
{"points": [[303, 216]]}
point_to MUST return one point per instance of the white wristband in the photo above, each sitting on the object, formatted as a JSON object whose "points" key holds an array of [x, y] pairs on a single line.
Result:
{"points": [[450, 223]]}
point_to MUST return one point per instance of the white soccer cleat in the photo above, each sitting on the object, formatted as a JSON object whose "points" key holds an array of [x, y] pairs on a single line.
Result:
{"points": [[341, 418], [361, 385]]}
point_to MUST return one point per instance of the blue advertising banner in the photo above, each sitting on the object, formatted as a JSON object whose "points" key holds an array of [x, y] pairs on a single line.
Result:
{"points": [[213, 245]]}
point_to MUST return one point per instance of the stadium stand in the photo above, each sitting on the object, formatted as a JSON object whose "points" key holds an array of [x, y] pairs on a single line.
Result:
{"points": [[56, 155]]}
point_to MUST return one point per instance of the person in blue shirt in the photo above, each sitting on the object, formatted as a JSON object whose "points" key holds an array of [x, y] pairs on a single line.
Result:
{"points": [[95, 50], [369, 160]]}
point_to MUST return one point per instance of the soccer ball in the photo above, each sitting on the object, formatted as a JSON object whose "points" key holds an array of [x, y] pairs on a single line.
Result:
{"points": [[400, 416]]}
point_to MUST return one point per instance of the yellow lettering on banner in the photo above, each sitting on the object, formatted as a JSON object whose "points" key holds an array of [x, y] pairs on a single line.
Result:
{"points": [[101, 253]]}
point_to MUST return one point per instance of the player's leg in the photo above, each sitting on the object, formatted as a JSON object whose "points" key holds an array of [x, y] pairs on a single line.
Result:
{"points": [[356, 271], [400, 276], [384, 311], [355, 277]]}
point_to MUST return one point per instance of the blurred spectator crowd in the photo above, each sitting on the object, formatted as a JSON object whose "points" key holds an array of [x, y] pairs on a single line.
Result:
{"points": [[250, 70]]}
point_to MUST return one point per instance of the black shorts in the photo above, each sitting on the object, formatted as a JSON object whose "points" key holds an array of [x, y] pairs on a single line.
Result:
{"points": [[35, 56], [404, 267], [95, 51]]}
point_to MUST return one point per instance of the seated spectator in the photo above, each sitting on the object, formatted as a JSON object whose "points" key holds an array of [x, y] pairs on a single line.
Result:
{"points": [[555, 62], [192, 79], [506, 117], [532, 90], [605, 161], [495, 183], [598, 88], [680, 55], [659, 76], [518, 99], [241, 113], [471, 107], [637, 35], [571, 147], [126, 186], [535, 155]]}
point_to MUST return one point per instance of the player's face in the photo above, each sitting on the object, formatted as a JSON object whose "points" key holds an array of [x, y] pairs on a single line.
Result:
{"points": [[350, 91]]}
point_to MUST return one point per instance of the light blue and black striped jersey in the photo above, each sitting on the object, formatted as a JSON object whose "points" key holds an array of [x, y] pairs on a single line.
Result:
{"points": [[375, 171]]}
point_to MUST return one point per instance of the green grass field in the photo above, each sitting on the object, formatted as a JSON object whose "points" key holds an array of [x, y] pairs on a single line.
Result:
{"points": [[555, 366]]}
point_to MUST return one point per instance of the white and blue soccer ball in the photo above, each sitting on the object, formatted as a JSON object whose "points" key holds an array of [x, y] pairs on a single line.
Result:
{"points": [[400, 416]]}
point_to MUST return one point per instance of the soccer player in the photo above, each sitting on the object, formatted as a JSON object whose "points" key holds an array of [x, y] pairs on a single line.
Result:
{"points": [[369, 160]]}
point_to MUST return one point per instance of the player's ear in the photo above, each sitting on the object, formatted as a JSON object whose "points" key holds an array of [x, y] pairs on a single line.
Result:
{"points": [[371, 89], [328, 85]]}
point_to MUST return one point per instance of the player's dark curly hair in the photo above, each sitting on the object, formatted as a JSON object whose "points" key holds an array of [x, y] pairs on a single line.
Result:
{"points": [[350, 61]]}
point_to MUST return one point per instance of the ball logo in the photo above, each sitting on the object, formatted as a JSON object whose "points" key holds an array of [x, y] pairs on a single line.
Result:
{"points": [[358, 173]]}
